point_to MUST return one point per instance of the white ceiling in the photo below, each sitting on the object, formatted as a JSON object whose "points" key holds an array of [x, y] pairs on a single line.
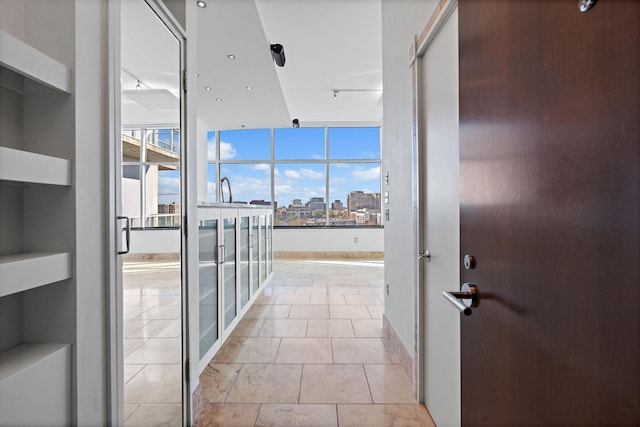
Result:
{"points": [[329, 45]]}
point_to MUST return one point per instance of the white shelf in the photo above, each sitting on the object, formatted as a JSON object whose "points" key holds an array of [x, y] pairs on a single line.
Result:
{"points": [[27, 167], [24, 271], [35, 376], [24, 59]]}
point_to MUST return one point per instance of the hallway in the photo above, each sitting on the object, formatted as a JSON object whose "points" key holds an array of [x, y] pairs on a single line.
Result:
{"points": [[310, 353]]}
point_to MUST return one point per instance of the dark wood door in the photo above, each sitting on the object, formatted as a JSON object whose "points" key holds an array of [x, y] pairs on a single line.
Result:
{"points": [[550, 208]]}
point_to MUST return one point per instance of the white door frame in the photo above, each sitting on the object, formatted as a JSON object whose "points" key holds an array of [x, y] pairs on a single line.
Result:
{"points": [[115, 308], [417, 51]]}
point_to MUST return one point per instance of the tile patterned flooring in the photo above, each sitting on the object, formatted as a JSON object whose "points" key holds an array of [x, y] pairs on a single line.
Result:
{"points": [[308, 353], [152, 374]]}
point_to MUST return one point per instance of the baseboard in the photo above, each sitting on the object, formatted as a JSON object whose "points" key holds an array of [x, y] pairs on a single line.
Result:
{"points": [[287, 255], [394, 343]]}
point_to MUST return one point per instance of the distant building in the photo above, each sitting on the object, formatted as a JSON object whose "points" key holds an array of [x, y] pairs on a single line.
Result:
{"points": [[357, 200], [337, 205], [316, 203]]}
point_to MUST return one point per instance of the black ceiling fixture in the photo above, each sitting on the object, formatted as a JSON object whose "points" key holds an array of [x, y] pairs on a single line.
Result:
{"points": [[277, 51]]}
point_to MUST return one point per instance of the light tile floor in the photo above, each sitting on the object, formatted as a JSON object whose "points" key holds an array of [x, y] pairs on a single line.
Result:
{"points": [[152, 375], [310, 353]]}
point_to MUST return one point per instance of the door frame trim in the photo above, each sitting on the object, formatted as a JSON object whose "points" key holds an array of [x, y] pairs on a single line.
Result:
{"points": [[417, 50]]}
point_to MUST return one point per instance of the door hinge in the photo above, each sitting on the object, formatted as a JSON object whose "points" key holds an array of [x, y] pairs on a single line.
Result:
{"points": [[184, 225], [187, 370], [184, 80]]}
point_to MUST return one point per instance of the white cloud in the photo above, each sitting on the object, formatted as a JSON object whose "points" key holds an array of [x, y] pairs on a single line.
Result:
{"points": [[211, 150], [261, 167], [311, 174], [292, 174], [341, 165], [227, 151], [361, 174]]}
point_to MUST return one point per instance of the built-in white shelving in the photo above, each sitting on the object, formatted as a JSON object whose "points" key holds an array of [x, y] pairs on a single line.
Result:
{"points": [[28, 167], [29, 62], [35, 385], [24, 271]]}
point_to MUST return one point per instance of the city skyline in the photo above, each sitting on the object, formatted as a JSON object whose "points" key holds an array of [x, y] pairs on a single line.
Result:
{"points": [[304, 178]]}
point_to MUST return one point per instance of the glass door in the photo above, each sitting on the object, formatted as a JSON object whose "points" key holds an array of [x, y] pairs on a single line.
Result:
{"points": [[229, 266], [255, 254], [149, 197], [245, 235], [208, 282]]}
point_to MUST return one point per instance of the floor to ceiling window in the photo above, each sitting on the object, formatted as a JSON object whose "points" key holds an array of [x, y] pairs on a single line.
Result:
{"points": [[316, 177]]}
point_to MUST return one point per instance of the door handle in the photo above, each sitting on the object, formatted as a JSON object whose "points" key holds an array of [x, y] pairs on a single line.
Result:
{"points": [[425, 255], [222, 254], [467, 298], [127, 235]]}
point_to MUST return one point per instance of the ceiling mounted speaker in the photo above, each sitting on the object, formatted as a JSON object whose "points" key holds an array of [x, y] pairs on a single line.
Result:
{"points": [[277, 51]]}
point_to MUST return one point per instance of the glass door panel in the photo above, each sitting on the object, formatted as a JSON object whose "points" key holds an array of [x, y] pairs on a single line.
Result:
{"points": [[229, 270], [263, 248], [255, 254], [244, 260], [208, 278], [269, 244]]}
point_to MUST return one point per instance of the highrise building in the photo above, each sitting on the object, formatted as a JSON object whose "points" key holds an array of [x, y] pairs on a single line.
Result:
{"points": [[360, 200]]}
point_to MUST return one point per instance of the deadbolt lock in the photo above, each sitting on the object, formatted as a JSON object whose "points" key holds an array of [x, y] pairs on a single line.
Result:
{"points": [[469, 262]]}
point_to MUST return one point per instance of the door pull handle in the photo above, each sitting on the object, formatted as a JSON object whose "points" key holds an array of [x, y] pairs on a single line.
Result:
{"points": [[127, 230], [467, 298]]}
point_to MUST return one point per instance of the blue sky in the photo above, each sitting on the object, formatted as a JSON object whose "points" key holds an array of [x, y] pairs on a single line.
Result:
{"points": [[300, 180]]}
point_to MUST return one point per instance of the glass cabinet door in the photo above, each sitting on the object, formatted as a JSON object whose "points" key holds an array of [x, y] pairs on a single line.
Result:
{"points": [[269, 244], [208, 282], [229, 270], [255, 254], [244, 260], [263, 248]]}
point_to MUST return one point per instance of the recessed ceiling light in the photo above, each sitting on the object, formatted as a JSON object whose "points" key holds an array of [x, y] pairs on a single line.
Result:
{"points": [[231, 56], [207, 87], [249, 87], [200, 3], [218, 99]]}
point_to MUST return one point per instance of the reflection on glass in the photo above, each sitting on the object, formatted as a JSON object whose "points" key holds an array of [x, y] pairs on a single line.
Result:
{"points": [[162, 195], [245, 144], [229, 267], [208, 275], [244, 260], [255, 254], [131, 193], [299, 143]]}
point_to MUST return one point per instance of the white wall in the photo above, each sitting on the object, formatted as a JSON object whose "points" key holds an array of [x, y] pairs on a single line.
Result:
{"points": [[401, 20], [328, 240], [91, 89]]}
